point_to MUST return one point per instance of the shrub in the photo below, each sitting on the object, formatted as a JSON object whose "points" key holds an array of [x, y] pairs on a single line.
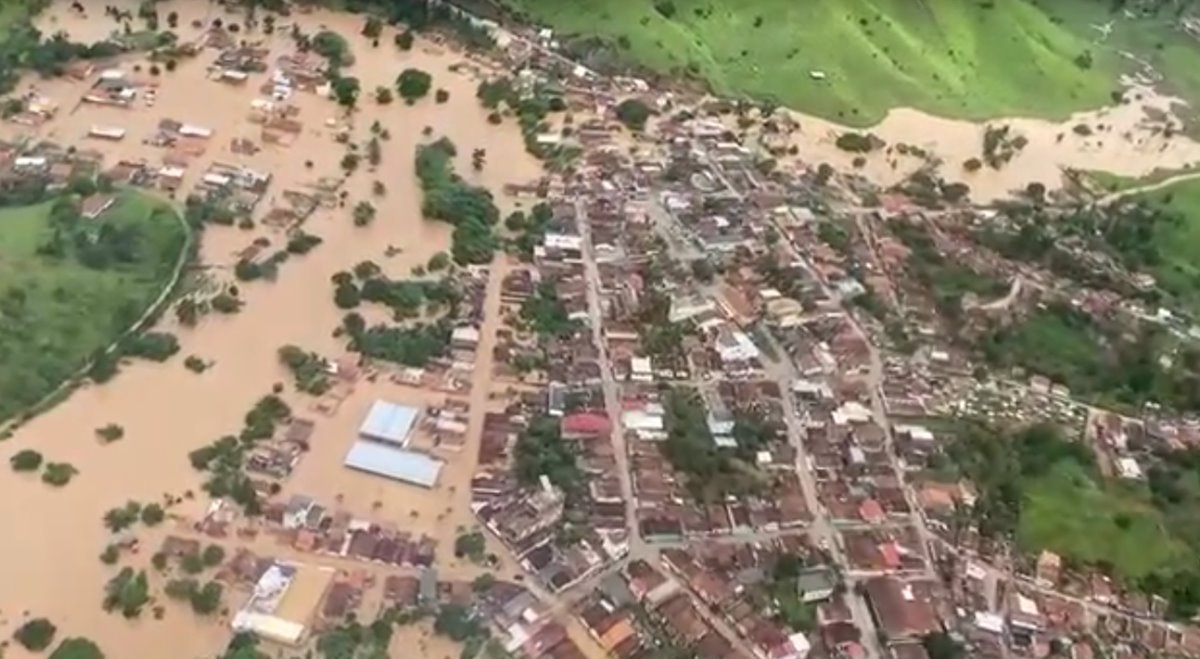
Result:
{"points": [[404, 40], [207, 599], [213, 555], [152, 514], [58, 474], [77, 648], [26, 460], [36, 635], [192, 564], [110, 433], [226, 303], [856, 142], [441, 96], [110, 555], [413, 84]]}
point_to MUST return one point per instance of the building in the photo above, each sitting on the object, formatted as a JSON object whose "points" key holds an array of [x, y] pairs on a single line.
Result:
{"points": [[393, 462], [283, 603], [904, 610], [95, 205], [816, 585], [385, 432], [389, 422]]}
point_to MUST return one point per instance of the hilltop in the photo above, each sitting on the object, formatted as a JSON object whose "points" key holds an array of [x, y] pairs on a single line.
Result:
{"points": [[852, 60]]}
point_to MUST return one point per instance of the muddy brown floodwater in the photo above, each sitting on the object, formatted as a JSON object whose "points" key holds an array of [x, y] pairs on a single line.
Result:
{"points": [[52, 537]]}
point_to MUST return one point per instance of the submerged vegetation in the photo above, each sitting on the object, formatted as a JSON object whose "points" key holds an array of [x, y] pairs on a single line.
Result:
{"points": [[447, 197]]}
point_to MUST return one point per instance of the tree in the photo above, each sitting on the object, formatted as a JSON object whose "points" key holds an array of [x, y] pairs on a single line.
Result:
{"points": [[192, 563], [207, 599], [36, 634], [129, 591], [383, 95], [483, 583], [213, 555], [119, 519], [364, 213], [152, 514], [666, 8], [349, 163], [941, 645], [413, 85], [372, 28], [703, 271], [26, 460], [58, 474], [77, 648], [332, 46], [470, 545], [346, 296], [187, 312], [439, 261], [404, 40], [441, 96], [457, 622], [633, 113], [345, 90]]}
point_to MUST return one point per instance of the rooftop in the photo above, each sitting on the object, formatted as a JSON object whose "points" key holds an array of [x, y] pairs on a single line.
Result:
{"points": [[393, 462], [389, 422]]}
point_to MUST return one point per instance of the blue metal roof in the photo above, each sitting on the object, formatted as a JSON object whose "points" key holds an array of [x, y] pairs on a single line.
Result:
{"points": [[389, 422], [393, 462]]}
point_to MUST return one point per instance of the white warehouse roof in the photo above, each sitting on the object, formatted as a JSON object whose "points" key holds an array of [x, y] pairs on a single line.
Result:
{"points": [[394, 462], [389, 422]]}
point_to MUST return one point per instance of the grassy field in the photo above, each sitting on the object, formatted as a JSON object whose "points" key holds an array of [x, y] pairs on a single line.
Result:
{"points": [[1179, 245], [55, 312], [1055, 343], [953, 58], [1067, 512]]}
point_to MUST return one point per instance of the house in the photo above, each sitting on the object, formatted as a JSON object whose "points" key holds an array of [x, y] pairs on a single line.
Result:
{"points": [[585, 424], [296, 513], [95, 205], [1049, 569], [904, 609], [816, 585]]}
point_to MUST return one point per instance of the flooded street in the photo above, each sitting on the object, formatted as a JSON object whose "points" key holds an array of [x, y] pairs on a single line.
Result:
{"points": [[51, 565]]}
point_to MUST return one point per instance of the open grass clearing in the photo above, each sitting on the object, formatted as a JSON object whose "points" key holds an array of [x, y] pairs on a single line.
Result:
{"points": [[1068, 512], [56, 312]]}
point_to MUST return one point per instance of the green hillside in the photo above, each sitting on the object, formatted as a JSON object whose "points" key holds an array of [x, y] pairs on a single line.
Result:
{"points": [[961, 58]]}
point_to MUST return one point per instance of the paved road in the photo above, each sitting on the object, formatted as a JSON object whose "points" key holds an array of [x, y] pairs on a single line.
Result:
{"points": [[638, 548], [612, 397], [822, 529]]}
